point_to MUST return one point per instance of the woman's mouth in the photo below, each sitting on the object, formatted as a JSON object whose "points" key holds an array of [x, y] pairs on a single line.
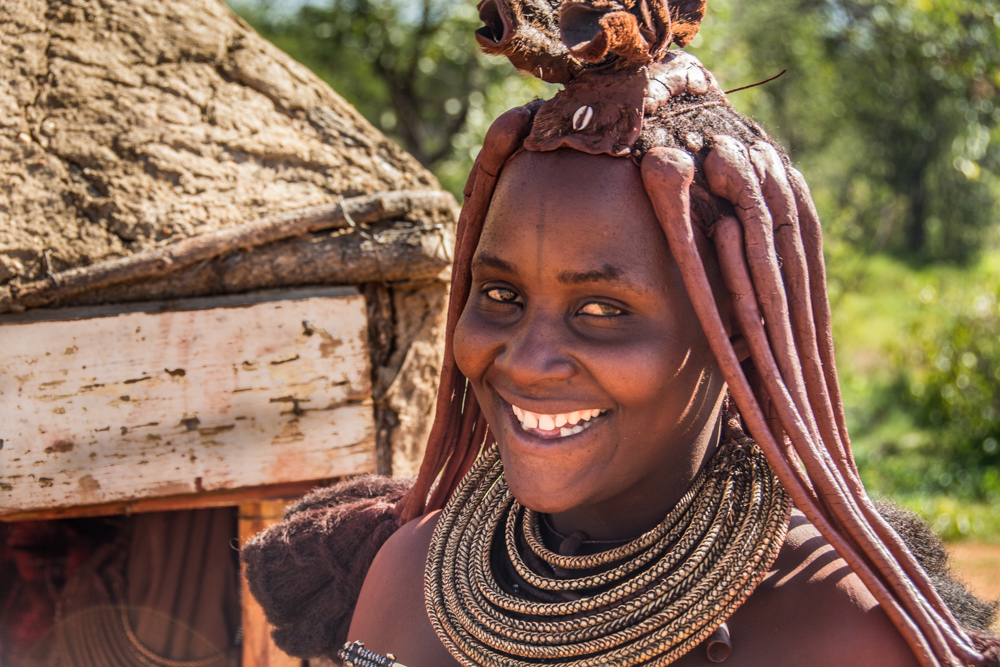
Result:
{"points": [[559, 425]]}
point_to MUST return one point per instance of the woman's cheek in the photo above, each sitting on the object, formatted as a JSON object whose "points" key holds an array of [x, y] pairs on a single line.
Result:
{"points": [[472, 343], [629, 369]]}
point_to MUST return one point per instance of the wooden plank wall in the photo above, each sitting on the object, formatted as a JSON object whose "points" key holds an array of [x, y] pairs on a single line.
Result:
{"points": [[184, 398]]}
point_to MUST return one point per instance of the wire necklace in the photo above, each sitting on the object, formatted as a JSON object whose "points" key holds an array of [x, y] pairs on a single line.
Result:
{"points": [[643, 602]]}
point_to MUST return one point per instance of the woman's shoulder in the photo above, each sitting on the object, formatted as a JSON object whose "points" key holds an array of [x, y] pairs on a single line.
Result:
{"points": [[813, 609], [407, 548], [810, 609], [390, 616]]}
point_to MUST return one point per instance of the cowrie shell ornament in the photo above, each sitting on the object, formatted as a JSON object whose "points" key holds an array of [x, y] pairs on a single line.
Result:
{"points": [[582, 117]]}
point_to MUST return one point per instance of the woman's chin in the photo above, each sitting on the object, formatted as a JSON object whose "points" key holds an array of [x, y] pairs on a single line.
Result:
{"points": [[549, 493]]}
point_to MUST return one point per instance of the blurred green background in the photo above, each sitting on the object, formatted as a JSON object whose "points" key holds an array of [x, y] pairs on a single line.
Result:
{"points": [[891, 108]]}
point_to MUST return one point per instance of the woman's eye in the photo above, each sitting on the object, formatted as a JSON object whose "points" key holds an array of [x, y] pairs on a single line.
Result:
{"points": [[601, 309], [502, 295]]}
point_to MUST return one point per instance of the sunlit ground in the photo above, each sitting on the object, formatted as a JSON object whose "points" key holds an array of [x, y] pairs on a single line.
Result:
{"points": [[979, 566]]}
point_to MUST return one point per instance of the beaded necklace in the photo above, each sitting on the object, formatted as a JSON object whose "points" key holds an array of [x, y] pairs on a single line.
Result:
{"points": [[645, 602]]}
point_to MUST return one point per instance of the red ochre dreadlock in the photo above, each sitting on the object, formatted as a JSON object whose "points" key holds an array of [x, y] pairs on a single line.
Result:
{"points": [[732, 191]]}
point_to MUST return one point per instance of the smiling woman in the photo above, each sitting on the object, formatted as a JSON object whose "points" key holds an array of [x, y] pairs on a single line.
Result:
{"points": [[659, 520], [577, 308], [638, 278]]}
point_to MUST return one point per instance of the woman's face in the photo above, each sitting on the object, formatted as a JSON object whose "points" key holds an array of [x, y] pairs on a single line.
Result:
{"points": [[583, 349]]}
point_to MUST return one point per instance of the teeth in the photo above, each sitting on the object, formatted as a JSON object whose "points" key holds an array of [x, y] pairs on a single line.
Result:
{"points": [[569, 423]]}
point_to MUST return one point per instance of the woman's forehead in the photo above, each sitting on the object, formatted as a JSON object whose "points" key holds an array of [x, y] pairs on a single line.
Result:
{"points": [[575, 215], [549, 173], [589, 191]]}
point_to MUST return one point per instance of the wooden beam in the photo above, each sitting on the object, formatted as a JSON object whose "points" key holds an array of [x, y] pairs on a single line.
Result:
{"points": [[258, 647], [382, 253], [164, 260], [146, 404], [195, 501]]}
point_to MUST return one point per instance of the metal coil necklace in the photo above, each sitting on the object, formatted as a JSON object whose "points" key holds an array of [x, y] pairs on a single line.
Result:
{"points": [[498, 597]]}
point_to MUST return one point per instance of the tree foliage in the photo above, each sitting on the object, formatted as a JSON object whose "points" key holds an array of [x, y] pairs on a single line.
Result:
{"points": [[894, 104], [951, 383], [937, 64]]}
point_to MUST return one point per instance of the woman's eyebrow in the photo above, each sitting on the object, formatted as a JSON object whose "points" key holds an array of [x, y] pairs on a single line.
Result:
{"points": [[606, 274], [486, 260]]}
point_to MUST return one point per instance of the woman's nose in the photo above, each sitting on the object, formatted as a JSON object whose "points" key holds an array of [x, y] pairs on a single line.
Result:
{"points": [[537, 351]]}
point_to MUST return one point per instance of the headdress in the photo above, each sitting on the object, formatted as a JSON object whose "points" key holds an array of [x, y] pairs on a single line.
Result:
{"points": [[716, 182]]}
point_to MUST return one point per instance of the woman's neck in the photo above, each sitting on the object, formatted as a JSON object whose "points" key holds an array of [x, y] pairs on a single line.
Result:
{"points": [[644, 505]]}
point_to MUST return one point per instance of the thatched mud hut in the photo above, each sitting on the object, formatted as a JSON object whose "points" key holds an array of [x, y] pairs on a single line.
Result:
{"points": [[219, 285]]}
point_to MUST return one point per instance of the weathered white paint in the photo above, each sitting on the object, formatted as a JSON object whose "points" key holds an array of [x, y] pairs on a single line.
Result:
{"points": [[151, 404]]}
